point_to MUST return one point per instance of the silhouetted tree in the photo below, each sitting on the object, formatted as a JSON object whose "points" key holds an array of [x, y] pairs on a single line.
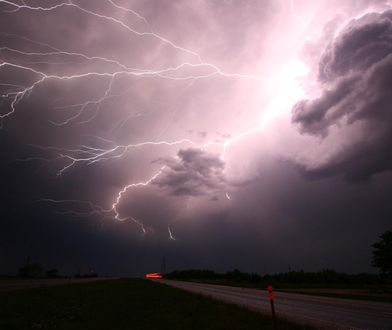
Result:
{"points": [[52, 273], [31, 270], [325, 277], [382, 253]]}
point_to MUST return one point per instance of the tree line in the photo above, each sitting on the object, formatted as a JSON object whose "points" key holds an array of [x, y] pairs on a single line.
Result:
{"points": [[381, 259], [322, 277]]}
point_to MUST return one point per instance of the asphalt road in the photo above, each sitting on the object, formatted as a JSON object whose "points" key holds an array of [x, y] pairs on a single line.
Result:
{"points": [[321, 312]]}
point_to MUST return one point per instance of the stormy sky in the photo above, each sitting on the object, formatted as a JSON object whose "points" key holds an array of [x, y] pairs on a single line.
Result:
{"points": [[250, 134]]}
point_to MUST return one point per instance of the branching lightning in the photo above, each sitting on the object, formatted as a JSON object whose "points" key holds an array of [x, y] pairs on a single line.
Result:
{"points": [[87, 154]]}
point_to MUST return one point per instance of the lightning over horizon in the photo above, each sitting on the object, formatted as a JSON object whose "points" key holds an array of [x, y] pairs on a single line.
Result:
{"points": [[148, 112]]}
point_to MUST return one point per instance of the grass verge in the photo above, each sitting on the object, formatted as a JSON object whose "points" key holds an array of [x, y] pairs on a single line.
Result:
{"points": [[124, 304], [355, 294], [367, 292]]}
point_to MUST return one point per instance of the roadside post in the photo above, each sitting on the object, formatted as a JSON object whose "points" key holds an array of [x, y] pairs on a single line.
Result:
{"points": [[271, 297]]}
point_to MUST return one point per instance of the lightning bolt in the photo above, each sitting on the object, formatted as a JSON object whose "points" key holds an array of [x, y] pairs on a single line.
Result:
{"points": [[171, 237], [89, 207], [110, 71], [295, 15], [166, 73]]}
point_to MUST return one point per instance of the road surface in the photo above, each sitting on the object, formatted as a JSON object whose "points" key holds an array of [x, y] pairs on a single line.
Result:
{"points": [[321, 312]]}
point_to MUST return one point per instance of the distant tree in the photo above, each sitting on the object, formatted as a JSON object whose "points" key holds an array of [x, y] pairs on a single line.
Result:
{"points": [[31, 271], [52, 273], [382, 253]]}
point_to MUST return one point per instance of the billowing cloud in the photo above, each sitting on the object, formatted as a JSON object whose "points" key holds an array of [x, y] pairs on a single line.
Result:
{"points": [[192, 173], [355, 74], [162, 119], [363, 42]]}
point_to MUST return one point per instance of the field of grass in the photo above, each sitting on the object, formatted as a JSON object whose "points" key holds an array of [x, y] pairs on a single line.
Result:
{"points": [[124, 304], [370, 294]]}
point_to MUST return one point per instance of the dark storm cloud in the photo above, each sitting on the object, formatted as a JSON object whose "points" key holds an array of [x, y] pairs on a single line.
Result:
{"points": [[143, 109], [269, 222], [315, 116], [281, 220], [355, 73], [362, 43], [193, 173]]}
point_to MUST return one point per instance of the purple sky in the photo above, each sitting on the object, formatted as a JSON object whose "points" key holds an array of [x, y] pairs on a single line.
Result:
{"points": [[218, 134]]}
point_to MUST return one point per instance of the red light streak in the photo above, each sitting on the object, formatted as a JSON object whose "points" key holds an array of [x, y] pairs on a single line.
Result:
{"points": [[154, 276]]}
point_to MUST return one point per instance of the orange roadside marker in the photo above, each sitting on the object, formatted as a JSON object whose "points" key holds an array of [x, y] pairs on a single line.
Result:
{"points": [[271, 297]]}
